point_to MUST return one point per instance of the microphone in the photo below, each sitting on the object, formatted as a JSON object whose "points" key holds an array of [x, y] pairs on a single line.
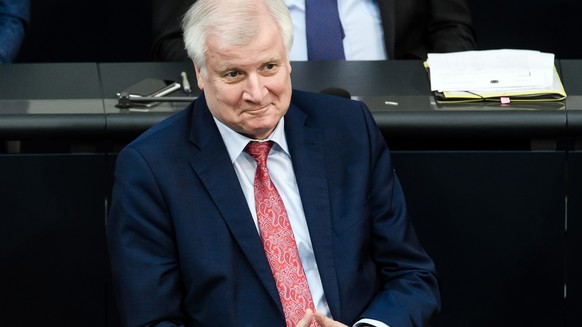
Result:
{"points": [[337, 91]]}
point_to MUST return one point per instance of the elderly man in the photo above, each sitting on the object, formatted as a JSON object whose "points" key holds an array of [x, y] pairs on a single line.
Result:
{"points": [[260, 205]]}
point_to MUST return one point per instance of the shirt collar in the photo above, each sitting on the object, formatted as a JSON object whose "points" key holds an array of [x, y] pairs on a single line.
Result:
{"points": [[235, 142], [296, 4]]}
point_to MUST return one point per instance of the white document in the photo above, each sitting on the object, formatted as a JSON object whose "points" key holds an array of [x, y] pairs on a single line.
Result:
{"points": [[491, 70]]}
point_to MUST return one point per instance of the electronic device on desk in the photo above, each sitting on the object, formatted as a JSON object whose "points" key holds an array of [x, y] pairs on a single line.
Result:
{"points": [[146, 89]]}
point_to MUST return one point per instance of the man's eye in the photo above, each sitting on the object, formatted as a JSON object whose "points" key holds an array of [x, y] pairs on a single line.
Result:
{"points": [[270, 68], [232, 74]]}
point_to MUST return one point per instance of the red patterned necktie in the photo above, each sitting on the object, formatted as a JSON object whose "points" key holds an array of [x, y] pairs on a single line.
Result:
{"points": [[278, 240]]}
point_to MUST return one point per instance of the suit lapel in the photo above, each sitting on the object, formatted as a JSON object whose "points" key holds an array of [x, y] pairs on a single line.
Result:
{"points": [[214, 168], [308, 160]]}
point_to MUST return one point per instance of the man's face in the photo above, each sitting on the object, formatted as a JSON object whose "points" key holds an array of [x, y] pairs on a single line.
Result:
{"points": [[248, 87]]}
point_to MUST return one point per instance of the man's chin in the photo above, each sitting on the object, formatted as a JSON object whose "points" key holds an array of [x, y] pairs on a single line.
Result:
{"points": [[258, 132]]}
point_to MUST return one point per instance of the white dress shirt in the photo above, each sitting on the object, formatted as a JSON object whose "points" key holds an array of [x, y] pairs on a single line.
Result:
{"points": [[364, 36], [283, 176]]}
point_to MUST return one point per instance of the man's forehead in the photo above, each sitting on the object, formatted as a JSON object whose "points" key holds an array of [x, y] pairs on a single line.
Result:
{"points": [[224, 53], [226, 57]]}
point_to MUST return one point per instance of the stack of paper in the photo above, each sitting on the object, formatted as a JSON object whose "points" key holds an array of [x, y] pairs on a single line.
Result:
{"points": [[499, 75]]}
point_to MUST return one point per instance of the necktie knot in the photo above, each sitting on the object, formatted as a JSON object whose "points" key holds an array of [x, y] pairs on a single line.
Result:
{"points": [[259, 151]]}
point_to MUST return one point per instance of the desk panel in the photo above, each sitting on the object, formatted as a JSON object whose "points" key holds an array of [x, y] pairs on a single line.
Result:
{"points": [[52, 240], [494, 224], [574, 239], [50, 81]]}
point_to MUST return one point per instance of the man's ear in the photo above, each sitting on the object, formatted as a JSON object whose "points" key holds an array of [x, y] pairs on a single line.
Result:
{"points": [[199, 78]]}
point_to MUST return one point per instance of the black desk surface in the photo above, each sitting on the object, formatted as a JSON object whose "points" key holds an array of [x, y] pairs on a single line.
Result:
{"points": [[572, 79], [56, 100], [78, 100], [397, 92]]}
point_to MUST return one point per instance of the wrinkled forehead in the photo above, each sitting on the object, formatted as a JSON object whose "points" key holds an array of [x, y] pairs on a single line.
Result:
{"points": [[235, 32], [261, 41]]}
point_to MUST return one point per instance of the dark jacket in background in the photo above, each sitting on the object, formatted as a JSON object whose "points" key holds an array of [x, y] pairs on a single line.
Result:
{"points": [[412, 28]]}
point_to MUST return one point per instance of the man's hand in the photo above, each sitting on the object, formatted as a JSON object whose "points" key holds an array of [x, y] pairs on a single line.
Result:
{"points": [[307, 319], [321, 320]]}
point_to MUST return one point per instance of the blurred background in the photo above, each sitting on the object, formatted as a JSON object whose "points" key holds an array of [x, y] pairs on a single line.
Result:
{"points": [[120, 30]]}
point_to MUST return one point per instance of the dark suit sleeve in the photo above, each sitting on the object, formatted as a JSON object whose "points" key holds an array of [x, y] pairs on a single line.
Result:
{"points": [[409, 293], [450, 27], [142, 250], [414, 28], [167, 15]]}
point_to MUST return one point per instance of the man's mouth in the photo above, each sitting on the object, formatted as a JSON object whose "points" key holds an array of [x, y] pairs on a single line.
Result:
{"points": [[258, 110]]}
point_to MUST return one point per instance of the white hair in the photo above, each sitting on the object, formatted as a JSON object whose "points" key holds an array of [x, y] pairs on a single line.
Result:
{"points": [[234, 21]]}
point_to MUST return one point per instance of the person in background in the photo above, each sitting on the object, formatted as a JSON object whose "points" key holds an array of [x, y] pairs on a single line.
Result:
{"points": [[372, 29], [14, 18], [253, 206]]}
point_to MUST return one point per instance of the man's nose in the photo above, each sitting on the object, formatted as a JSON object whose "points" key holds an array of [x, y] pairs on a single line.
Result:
{"points": [[255, 90]]}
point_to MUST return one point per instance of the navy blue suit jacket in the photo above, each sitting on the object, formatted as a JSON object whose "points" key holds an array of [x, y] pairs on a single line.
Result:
{"points": [[185, 251]]}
